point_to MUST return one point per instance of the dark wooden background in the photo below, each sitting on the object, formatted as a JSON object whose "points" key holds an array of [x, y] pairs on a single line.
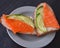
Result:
{"points": [[6, 6]]}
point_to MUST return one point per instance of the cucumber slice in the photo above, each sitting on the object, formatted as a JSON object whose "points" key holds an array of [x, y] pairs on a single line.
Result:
{"points": [[23, 18], [39, 19], [40, 24]]}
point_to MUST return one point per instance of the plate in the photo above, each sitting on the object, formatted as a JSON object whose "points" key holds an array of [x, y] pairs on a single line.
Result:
{"points": [[28, 40]]}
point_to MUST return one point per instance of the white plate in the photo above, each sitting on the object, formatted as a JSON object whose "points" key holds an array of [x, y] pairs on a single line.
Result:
{"points": [[28, 40]]}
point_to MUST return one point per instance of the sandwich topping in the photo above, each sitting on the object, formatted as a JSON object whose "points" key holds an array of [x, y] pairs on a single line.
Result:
{"points": [[39, 19], [22, 18], [49, 17], [14, 24]]}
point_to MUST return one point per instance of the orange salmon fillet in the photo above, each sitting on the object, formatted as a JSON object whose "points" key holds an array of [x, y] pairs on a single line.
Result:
{"points": [[49, 17], [17, 25]]}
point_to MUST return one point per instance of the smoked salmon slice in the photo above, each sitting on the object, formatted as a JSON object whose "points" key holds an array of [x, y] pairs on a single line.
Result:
{"points": [[49, 17], [17, 25]]}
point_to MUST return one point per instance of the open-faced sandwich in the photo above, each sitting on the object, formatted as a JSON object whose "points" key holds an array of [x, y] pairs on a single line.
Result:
{"points": [[18, 23], [45, 20]]}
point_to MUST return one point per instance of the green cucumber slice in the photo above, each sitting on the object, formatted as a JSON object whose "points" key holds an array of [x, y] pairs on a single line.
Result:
{"points": [[39, 19], [40, 24]]}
